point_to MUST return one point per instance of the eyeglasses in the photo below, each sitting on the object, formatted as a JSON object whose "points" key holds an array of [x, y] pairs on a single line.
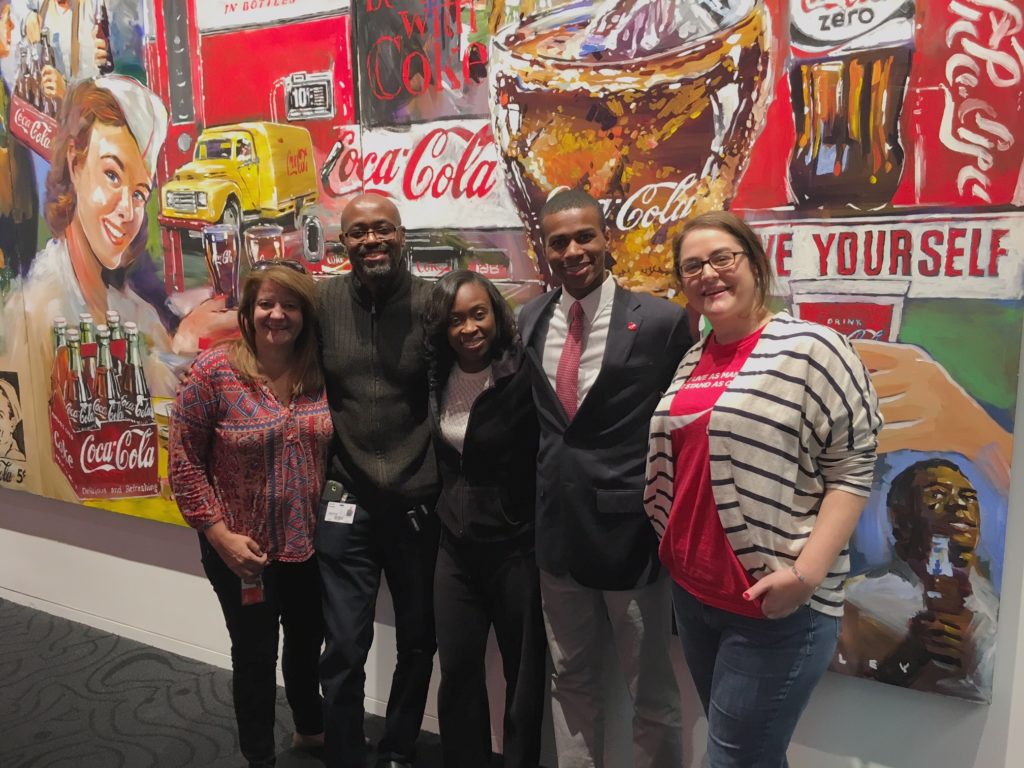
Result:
{"points": [[721, 261], [382, 231], [292, 264]]}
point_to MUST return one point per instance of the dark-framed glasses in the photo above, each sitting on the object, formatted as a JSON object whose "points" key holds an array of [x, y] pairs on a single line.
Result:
{"points": [[292, 264], [382, 231], [720, 261]]}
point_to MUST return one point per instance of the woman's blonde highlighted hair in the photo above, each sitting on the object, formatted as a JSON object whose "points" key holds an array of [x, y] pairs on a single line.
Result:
{"points": [[310, 377]]}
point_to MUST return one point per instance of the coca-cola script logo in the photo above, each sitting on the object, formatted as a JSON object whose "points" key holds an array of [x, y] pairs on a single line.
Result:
{"points": [[137, 407], [810, 6], [830, 22], [853, 319], [430, 268], [133, 449], [11, 473], [655, 204], [82, 415], [60, 450], [453, 162], [985, 52], [34, 127], [110, 409], [664, 203], [867, 333], [298, 162]]}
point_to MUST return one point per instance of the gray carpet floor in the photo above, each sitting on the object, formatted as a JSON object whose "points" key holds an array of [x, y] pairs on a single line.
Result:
{"points": [[72, 696]]}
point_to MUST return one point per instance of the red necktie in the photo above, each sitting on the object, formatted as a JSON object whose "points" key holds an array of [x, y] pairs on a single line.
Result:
{"points": [[567, 377]]}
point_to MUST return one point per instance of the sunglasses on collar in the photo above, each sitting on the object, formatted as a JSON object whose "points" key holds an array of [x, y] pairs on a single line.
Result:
{"points": [[292, 264]]}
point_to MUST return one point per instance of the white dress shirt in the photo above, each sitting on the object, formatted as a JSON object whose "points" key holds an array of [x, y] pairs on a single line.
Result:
{"points": [[597, 315]]}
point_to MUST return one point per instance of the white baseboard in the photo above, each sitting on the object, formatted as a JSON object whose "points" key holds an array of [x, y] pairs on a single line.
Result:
{"points": [[163, 642]]}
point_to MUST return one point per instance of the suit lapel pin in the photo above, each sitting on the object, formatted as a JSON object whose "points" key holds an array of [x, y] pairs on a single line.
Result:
{"points": [[631, 326]]}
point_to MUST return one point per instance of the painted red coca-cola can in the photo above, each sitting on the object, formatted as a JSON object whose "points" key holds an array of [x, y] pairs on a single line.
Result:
{"points": [[963, 106]]}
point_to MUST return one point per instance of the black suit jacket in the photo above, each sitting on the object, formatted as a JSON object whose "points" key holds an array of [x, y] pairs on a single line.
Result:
{"points": [[591, 523]]}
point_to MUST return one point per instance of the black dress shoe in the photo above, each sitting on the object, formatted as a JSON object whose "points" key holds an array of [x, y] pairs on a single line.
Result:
{"points": [[393, 764]]}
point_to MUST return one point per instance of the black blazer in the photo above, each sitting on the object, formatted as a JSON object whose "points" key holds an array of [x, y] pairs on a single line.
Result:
{"points": [[488, 491], [591, 523]]}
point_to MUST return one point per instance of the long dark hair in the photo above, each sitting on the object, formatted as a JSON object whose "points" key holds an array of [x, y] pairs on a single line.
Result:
{"points": [[440, 356]]}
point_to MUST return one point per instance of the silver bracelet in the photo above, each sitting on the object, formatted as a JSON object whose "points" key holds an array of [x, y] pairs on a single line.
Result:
{"points": [[797, 573]]}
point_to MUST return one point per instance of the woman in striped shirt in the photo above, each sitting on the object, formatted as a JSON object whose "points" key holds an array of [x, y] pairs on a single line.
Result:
{"points": [[761, 458], [247, 450]]}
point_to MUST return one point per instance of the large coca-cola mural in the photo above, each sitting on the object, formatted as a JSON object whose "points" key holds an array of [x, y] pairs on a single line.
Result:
{"points": [[873, 143], [652, 106]]}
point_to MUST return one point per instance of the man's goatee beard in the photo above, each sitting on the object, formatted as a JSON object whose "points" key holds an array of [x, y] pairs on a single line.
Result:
{"points": [[379, 270]]}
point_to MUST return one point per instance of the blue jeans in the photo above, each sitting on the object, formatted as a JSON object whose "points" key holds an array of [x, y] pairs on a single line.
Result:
{"points": [[754, 676]]}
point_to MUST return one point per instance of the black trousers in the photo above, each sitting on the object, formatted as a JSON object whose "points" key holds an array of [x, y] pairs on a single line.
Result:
{"points": [[291, 600], [352, 556], [475, 586]]}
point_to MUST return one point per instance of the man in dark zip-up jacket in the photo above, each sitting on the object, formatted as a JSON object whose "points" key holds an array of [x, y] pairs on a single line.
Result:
{"points": [[381, 481]]}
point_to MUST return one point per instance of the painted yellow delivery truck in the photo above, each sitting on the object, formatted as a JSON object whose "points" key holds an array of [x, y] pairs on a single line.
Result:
{"points": [[241, 174]]}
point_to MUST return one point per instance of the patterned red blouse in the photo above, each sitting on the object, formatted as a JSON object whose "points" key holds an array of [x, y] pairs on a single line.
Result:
{"points": [[237, 454]]}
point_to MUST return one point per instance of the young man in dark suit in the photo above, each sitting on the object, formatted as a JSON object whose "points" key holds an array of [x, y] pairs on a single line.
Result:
{"points": [[601, 356]]}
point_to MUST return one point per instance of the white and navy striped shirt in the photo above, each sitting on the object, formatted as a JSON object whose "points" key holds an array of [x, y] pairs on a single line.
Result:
{"points": [[801, 417]]}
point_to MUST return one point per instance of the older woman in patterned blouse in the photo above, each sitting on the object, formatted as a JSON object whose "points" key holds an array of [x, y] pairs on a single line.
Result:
{"points": [[247, 450]]}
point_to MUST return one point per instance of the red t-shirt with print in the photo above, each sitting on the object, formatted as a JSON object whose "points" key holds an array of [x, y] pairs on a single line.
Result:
{"points": [[695, 549]]}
